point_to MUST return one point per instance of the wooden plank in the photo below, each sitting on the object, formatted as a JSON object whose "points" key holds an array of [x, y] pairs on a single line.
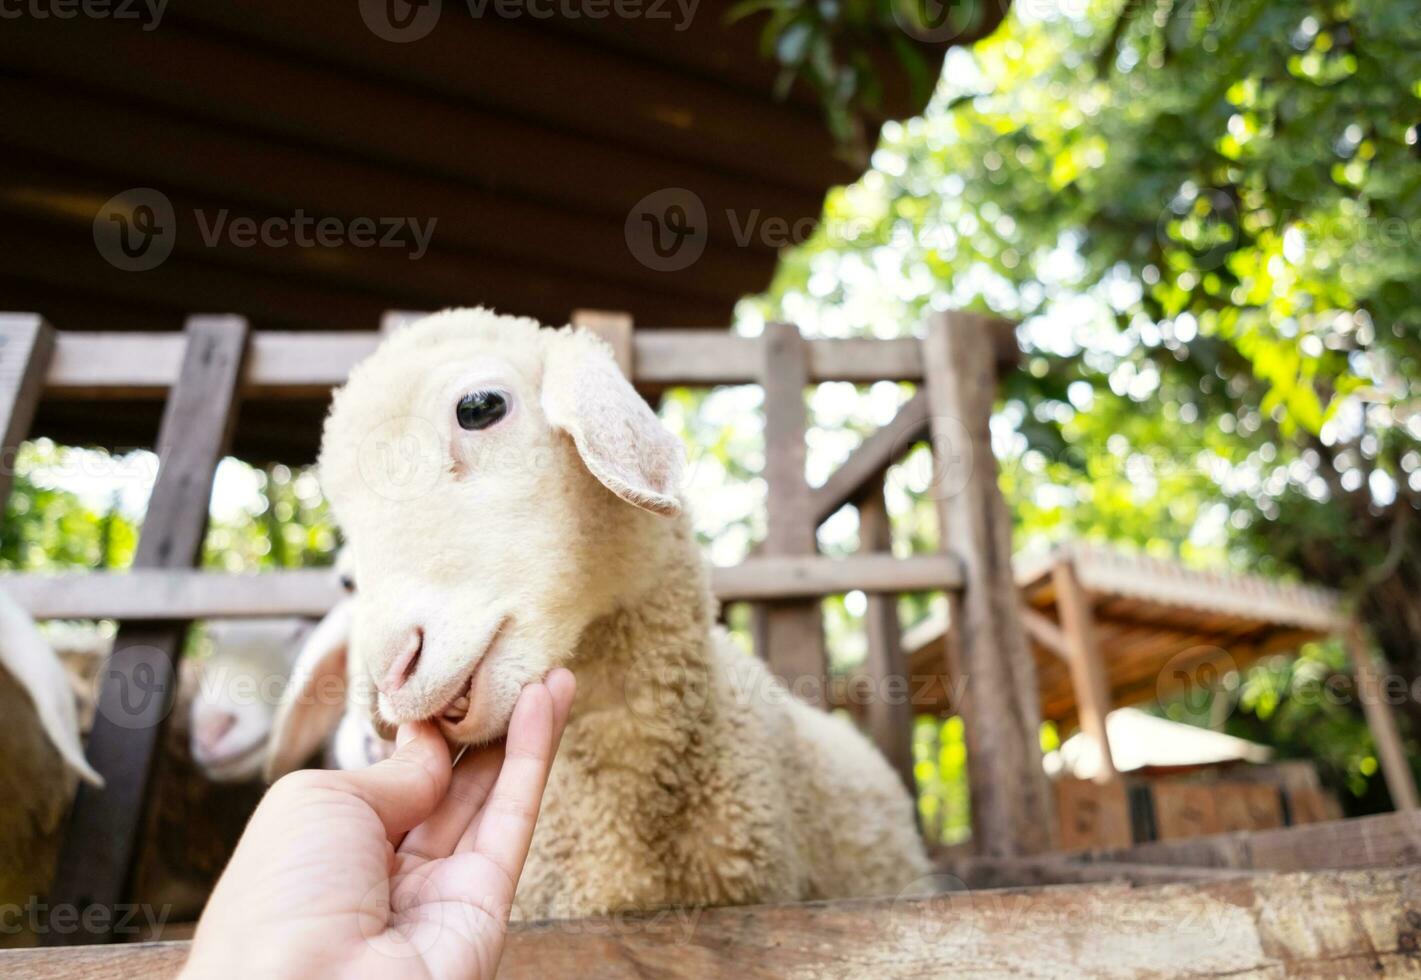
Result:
{"points": [[1248, 806], [815, 576], [154, 594], [1384, 840], [862, 473], [1062, 869], [1184, 810], [1012, 810], [1083, 657], [1043, 631], [393, 320], [1093, 815], [1336, 924], [26, 345], [889, 710], [302, 364], [1372, 690], [361, 117], [165, 594], [788, 634], [208, 161], [139, 679], [1309, 804], [616, 329]]}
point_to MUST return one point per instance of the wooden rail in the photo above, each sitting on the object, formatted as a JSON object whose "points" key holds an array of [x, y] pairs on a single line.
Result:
{"points": [[290, 364], [162, 594], [1330, 923]]}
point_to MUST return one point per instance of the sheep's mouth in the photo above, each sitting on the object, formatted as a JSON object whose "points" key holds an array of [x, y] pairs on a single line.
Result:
{"points": [[456, 709]]}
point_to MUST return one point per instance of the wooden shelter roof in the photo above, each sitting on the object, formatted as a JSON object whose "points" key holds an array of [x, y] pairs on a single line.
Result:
{"points": [[530, 140], [1159, 625]]}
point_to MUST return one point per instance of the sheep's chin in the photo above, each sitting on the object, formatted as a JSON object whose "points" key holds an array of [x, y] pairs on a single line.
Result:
{"points": [[486, 719], [480, 712]]}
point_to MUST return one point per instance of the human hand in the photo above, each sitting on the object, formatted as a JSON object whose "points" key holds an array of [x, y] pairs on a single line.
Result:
{"points": [[405, 869]]}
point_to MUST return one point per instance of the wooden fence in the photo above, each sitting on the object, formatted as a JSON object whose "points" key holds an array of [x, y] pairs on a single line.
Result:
{"points": [[205, 373]]}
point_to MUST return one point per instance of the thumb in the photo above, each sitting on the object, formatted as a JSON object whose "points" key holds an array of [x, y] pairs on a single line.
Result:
{"points": [[405, 788]]}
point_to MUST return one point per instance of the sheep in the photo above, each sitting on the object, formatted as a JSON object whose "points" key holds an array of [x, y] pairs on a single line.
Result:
{"points": [[41, 761], [232, 694], [236, 710], [512, 506]]}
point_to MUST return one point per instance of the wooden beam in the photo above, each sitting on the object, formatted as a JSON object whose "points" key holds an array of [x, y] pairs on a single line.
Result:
{"points": [[1371, 689], [1045, 632], [26, 345], [862, 473], [139, 679], [889, 709], [1334, 923], [789, 635], [1385, 840], [166, 594], [1001, 710], [1083, 658], [1057, 869], [616, 329], [305, 364]]}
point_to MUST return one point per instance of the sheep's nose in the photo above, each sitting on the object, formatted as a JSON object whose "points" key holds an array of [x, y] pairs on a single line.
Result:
{"points": [[210, 728], [404, 663]]}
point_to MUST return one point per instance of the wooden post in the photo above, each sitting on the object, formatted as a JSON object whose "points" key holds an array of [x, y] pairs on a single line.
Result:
{"points": [[1088, 678], [139, 680], [890, 708], [616, 329], [1371, 688], [26, 343], [789, 635], [1011, 802]]}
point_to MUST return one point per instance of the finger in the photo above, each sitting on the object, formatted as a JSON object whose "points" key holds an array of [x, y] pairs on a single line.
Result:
{"points": [[473, 778], [404, 789], [562, 686], [504, 829]]}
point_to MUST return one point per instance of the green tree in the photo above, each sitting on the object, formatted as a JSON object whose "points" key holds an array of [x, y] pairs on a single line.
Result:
{"points": [[1205, 213]]}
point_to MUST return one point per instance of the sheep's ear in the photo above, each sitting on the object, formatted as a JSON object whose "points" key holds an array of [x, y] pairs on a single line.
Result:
{"points": [[34, 664], [314, 699], [620, 439]]}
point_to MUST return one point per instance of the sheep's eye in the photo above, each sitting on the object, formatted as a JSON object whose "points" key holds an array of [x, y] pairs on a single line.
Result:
{"points": [[481, 409], [347, 583]]}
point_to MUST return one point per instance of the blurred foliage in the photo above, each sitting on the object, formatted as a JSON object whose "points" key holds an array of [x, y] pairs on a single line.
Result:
{"points": [[843, 47], [282, 523], [1205, 215]]}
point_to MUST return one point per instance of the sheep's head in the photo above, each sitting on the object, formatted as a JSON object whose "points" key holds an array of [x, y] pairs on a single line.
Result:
{"points": [[232, 710], [497, 483]]}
